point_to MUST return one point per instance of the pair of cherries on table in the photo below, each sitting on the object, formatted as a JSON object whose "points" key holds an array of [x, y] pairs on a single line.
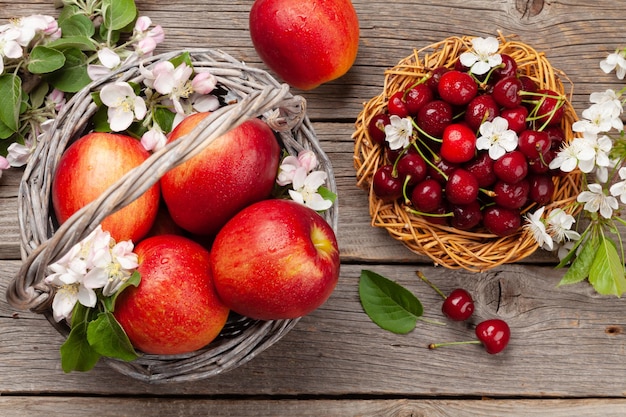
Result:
{"points": [[493, 334]]}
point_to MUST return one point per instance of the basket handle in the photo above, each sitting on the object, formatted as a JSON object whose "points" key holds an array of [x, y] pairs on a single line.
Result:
{"points": [[282, 110]]}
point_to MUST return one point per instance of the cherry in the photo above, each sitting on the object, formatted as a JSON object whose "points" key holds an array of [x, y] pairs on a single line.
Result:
{"points": [[457, 88], [376, 128], [462, 187], [493, 334], [397, 106], [511, 196], [516, 117], [416, 97], [541, 188], [441, 170], [435, 76], [458, 143], [411, 165], [386, 186], [541, 164], [550, 109], [481, 109], [458, 305], [427, 196], [506, 92], [434, 117], [481, 167], [501, 221], [557, 136], [528, 84], [466, 216], [534, 143], [508, 67], [511, 167]]}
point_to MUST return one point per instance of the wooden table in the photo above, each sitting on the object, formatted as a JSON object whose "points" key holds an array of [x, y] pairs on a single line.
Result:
{"points": [[568, 348]]}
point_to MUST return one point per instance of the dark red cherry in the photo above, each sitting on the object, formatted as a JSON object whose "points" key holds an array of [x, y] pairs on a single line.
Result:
{"points": [[516, 117], [443, 166], [435, 76], [541, 164], [541, 188], [457, 88], [458, 305], [376, 128], [416, 97], [397, 106], [461, 187], [557, 136], [533, 143], [511, 167], [413, 166], [434, 117], [466, 216], [501, 221], [506, 92], [386, 186], [481, 109], [508, 68], [458, 143], [528, 84], [550, 109], [494, 334], [427, 196], [481, 167], [511, 196]]}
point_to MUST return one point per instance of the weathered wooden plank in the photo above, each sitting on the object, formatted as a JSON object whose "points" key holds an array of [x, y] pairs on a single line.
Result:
{"points": [[159, 407], [566, 342]]}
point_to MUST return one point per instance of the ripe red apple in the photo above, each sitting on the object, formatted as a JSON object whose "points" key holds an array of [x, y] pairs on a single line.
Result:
{"points": [[237, 169], [175, 308], [276, 259], [305, 42], [90, 166]]}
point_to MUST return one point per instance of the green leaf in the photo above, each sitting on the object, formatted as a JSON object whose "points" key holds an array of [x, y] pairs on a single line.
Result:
{"points": [[77, 25], [73, 76], [164, 117], [44, 60], [106, 336], [388, 304], [579, 270], [38, 95], [82, 43], [76, 352], [11, 93], [118, 13], [607, 271], [132, 281], [184, 57], [5, 132], [327, 194]]}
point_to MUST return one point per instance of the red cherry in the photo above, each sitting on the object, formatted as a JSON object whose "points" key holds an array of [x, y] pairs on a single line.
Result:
{"points": [[386, 186], [512, 196], [412, 165], [516, 117], [466, 216], [458, 305], [376, 128], [494, 334], [550, 108], [416, 97], [443, 167], [435, 76], [534, 143], [427, 196], [501, 221], [458, 143], [481, 109], [397, 106], [457, 88], [506, 92], [541, 188], [461, 187], [481, 167], [511, 167], [434, 117], [528, 84], [508, 67]]}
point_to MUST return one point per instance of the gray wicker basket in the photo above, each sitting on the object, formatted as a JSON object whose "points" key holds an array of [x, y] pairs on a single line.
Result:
{"points": [[43, 241]]}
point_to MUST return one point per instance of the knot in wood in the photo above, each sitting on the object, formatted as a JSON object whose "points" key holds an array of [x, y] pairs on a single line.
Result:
{"points": [[529, 8]]}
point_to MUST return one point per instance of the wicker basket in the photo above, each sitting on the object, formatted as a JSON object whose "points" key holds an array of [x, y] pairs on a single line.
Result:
{"points": [[477, 250], [43, 241]]}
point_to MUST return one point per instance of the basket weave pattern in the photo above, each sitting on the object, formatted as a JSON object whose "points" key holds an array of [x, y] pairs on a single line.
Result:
{"points": [[44, 241], [477, 250]]}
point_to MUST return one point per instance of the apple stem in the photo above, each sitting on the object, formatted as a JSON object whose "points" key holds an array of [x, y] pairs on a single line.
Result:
{"points": [[442, 344], [433, 286]]}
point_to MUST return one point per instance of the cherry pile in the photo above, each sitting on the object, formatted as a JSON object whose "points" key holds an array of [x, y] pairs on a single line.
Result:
{"points": [[442, 176]]}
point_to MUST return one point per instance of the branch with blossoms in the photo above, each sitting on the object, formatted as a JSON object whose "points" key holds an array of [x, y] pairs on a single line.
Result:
{"points": [[597, 253], [44, 61]]}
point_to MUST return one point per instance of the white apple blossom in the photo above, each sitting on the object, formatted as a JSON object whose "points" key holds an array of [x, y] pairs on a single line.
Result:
{"points": [[112, 267], [535, 224], [173, 82], [124, 105], [109, 60], [483, 57], [147, 40], [154, 139], [619, 188], [398, 132], [305, 162], [615, 61], [496, 137], [597, 201], [9, 48], [305, 190], [599, 117]]}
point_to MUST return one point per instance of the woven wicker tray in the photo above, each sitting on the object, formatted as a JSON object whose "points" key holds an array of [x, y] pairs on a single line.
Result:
{"points": [[43, 240]]}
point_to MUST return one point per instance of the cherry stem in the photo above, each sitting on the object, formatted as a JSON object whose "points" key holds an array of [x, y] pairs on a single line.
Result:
{"points": [[433, 286], [443, 344], [429, 321], [420, 130]]}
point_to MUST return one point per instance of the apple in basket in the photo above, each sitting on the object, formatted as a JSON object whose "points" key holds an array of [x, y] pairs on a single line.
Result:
{"points": [[237, 169], [275, 259], [307, 43], [175, 308], [91, 165]]}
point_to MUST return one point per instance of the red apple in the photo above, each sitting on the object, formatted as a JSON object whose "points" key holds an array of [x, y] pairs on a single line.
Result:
{"points": [[276, 259], [305, 42], [239, 168], [175, 308], [90, 166]]}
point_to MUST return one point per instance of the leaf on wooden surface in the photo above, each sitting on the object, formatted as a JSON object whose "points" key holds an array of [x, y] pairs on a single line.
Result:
{"points": [[607, 271]]}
